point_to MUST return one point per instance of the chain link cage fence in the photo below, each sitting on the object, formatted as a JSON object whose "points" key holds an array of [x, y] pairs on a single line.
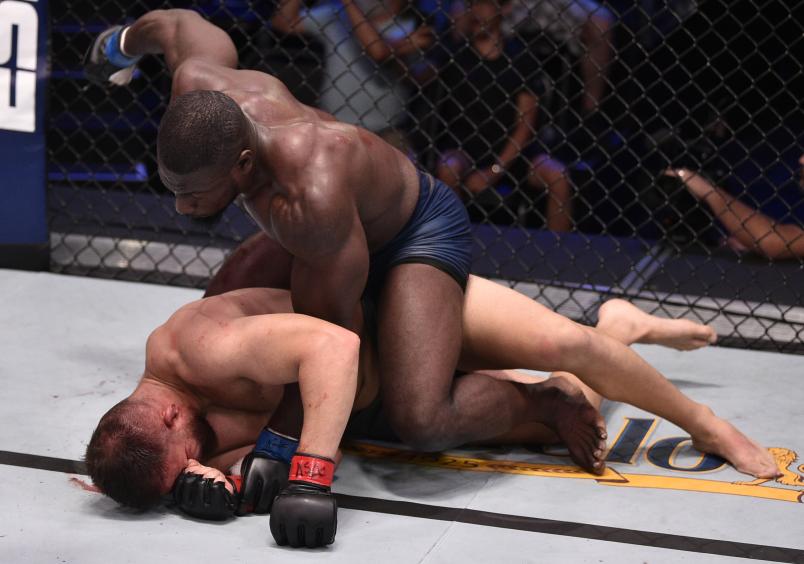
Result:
{"points": [[643, 150]]}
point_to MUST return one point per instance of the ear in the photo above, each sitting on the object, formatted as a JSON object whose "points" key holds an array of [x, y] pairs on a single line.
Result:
{"points": [[245, 162], [170, 415]]}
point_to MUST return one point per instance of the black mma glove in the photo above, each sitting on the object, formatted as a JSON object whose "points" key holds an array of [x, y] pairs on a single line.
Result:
{"points": [[305, 512], [204, 498], [265, 471]]}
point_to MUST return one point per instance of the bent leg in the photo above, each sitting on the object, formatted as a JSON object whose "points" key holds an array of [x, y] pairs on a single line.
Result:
{"points": [[504, 329], [419, 342]]}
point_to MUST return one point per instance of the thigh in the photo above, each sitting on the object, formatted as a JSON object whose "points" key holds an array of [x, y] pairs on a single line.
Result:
{"points": [[505, 329], [419, 336]]}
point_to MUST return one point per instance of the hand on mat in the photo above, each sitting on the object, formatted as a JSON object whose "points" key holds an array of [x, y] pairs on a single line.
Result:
{"points": [[205, 493], [305, 513], [207, 472], [263, 478]]}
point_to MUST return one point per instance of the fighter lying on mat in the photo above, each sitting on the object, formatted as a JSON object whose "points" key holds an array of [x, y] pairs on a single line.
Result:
{"points": [[212, 374]]}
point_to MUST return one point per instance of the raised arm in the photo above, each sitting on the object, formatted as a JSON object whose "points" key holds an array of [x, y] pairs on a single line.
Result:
{"points": [[179, 35]]}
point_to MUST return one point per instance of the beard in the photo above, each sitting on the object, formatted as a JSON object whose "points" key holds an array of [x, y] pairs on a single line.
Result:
{"points": [[202, 431]]}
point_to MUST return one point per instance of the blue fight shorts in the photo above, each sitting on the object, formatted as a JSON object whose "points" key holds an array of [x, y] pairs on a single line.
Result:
{"points": [[438, 233]]}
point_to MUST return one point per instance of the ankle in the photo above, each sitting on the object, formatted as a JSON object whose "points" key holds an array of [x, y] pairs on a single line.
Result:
{"points": [[703, 422]]}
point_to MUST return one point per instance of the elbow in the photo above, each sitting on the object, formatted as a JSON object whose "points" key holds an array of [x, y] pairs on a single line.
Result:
{"points": [[348, 342], [165, 23], [378, 52], [339, 340], [170, 17]]}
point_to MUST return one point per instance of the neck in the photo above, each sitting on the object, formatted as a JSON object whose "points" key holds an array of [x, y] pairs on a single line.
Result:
{"points": [[164, 391], [259, 139]]}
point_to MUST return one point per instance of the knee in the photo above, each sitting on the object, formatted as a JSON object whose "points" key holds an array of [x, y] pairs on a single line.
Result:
{"points": [[451, 167], [569, 345], [417, 428], [549, 173]]}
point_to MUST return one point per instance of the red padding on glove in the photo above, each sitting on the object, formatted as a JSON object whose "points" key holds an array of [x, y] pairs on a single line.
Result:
{"points": [[237, 482], [312, 469]]}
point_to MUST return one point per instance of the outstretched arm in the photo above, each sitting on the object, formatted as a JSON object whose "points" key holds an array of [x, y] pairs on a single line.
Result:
{"points": [[750, 227]]}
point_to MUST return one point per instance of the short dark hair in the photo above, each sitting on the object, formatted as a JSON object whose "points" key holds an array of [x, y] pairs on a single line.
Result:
{"points": [[201, 128], [126, 458]]}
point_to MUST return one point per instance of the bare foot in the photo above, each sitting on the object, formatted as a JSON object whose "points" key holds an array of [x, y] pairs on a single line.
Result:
{"points": [[723, 439], [564, 409], [629, 324]]}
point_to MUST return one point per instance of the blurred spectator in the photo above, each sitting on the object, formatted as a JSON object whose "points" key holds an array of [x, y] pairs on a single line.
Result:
{"points": [[583, 26], [370, 47], [748, 228], [490, 91]]}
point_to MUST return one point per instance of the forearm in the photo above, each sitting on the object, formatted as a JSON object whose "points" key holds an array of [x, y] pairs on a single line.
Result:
{"points": [[522, 132], [331, 291], [328, 383], [344, 310], [515, 144], [364, 31], [287, 17], [751, 227]]}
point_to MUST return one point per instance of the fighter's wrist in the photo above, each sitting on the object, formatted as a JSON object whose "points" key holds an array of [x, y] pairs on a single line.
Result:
{"points": [[276, 445], [114, 50], [312, 469]]}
